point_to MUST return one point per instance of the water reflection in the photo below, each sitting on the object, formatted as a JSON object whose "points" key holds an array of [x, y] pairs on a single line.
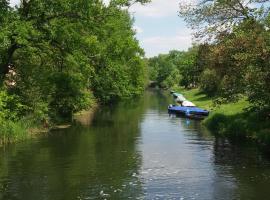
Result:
{"points": [[95, 162], [133, 150], [247, 166]]}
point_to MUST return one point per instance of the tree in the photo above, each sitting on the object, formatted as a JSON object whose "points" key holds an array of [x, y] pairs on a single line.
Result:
{"points": [[64, 51], [238, 54], [213, 17], [164, 71], [188, 67]]}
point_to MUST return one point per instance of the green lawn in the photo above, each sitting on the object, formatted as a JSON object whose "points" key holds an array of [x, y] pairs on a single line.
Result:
{"points": [[203, 101], [231, 119]]}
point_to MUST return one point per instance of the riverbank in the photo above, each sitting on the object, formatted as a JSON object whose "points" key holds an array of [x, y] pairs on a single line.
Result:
{"points": [[12, 132], [233, 119], [134, 150]]}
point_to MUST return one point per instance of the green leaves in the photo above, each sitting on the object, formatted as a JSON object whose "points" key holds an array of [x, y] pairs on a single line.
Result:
{"points": [[127, 2], [63, 51], [165, 69], [10, 106], [210, 18], [239, 53]]}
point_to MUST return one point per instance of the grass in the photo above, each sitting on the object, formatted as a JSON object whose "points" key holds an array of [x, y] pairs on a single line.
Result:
{"points": [[16, 131], [198, 98], [202, 100], [11, 132], [232, 119]]}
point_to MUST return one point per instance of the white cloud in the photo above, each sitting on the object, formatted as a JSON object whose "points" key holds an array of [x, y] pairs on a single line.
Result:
{"points": [[14, 2], [155, 41], [106, 2], [163, 44], [137, 29], [157, 8]]}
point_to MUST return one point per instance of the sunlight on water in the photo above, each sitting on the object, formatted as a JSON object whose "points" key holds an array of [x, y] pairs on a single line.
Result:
{"points": [[134, 150]]}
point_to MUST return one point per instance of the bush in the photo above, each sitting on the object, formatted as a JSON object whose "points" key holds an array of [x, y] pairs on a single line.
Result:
{"points": [[69, 96], [217, 123], [237, 127], [11, 127], [209, 82], [172, 80], [10, 106]]}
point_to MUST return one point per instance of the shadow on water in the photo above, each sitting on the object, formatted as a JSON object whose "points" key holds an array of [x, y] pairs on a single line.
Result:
{"points": [[133, 150], [249, 169], [94, 162]]}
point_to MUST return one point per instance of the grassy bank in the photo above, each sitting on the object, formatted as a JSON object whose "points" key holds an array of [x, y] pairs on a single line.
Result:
{"points": [[12, 132], [232, 119]]}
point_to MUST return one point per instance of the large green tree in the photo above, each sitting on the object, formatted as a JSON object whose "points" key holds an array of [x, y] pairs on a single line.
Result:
{"points": [[237, 58], [58, 53]]}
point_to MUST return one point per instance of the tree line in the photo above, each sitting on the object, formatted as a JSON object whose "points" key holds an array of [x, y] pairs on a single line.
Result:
{"points": [[58, 56], [231, 59]]}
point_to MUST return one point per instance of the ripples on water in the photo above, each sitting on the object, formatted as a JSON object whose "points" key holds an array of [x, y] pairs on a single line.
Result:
{"points": [[134, 150]]}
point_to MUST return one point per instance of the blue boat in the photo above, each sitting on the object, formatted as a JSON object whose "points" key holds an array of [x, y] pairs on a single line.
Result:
{"points": [[190, 112]]}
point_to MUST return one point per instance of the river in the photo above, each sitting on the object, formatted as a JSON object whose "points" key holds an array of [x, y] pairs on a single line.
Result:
{"points": [[133, 150]]}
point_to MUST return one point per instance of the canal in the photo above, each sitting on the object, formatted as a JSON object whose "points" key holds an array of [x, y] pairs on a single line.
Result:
{"points": [[133, 150]]}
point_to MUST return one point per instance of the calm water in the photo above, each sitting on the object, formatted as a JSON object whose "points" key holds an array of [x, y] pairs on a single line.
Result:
{"points": [[133, 150]]}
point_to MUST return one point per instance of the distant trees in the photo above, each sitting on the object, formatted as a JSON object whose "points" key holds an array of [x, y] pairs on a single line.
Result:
{"points": [[175, 68], [164, 71]]}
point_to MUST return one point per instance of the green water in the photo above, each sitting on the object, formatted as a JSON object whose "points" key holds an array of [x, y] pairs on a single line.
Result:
{"points": [[133, 150]]}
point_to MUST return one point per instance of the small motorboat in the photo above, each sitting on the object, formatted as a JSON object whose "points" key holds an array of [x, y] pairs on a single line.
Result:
{"points": [[190, 112]]}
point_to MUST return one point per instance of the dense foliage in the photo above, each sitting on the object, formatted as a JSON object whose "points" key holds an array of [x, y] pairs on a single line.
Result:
{"points": [[175, 68], [56, 56], [234, 62]]}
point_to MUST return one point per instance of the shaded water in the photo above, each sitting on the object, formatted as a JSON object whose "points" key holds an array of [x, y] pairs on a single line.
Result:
{"points": [[133, 150]]}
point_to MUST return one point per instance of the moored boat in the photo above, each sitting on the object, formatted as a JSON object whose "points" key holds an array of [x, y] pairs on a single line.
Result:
{"points": [[178, 97], [190, 112]]}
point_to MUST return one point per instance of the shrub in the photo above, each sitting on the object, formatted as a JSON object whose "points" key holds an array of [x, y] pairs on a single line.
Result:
{"points": [[209, 82], [69, 96], [217, 123]]}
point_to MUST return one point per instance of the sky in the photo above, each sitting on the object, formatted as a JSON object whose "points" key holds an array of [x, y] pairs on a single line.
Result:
{"points": [[158, 26]]}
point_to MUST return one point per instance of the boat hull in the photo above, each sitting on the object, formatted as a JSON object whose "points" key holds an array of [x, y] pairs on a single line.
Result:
{"points": [[189, 112]]}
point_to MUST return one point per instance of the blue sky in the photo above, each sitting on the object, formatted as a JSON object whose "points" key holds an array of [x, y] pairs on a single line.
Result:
{"points": [[159, 28]]}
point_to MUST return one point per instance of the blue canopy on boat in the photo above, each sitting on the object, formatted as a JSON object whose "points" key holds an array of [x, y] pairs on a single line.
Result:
{"points": [[188, 110]]}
